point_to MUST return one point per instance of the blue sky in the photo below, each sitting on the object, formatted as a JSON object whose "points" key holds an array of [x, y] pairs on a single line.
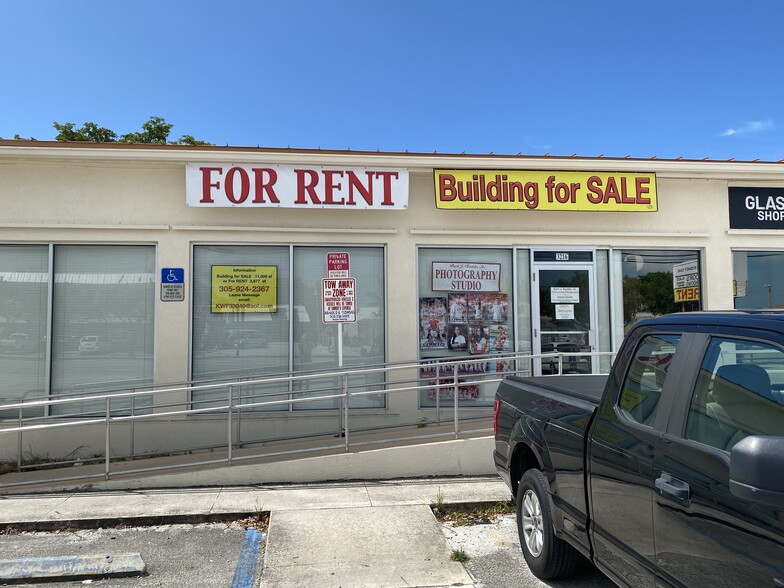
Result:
{"points": [[693, 78]]}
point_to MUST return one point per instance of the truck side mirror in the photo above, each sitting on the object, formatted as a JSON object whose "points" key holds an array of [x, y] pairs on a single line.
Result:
{"points": [[756, 464]]}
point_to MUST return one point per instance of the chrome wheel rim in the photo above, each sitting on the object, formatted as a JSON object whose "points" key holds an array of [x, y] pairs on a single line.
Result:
{"points": [[533, 531]]}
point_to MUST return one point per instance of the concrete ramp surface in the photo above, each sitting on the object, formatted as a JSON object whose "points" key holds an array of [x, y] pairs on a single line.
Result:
{"points": [[364, 547]]}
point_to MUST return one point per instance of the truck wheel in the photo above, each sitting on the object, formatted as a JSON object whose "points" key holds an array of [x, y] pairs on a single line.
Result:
{"points": [[547, 556]]}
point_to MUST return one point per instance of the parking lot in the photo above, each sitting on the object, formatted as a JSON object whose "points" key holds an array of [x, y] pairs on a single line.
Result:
{"points": [[207, 554]]}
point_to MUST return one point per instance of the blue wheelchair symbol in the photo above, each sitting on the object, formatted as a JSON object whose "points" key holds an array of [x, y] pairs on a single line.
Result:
{"points": [[173, 275]]}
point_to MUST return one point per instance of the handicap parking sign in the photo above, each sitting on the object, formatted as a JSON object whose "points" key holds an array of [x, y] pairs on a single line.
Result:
{"points": [[172, 284]]}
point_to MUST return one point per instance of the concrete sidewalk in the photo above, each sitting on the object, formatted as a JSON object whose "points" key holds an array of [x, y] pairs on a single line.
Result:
{"points": [[350, 534]]}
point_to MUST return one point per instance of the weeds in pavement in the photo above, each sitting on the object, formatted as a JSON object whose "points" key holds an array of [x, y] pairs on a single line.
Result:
{"points": [[459, 555], [258, 520], [29, 458], [439, 505], [473, 514]]}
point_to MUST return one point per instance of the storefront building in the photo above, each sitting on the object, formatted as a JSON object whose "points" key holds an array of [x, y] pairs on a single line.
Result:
{"points": [[123, 266]]}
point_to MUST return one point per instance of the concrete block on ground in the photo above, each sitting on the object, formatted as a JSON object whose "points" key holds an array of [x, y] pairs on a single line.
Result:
{"points": [[71, 568]]}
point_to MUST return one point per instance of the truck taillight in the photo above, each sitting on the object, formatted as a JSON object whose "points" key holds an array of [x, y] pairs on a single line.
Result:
{"points": [[496, 410]]}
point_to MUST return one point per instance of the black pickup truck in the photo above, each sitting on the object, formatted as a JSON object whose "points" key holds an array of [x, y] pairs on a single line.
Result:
{"points": [[667, 472]]}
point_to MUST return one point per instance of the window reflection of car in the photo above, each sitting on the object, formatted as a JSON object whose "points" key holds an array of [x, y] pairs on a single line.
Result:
{"points": [[244, 340], [90, 344]]}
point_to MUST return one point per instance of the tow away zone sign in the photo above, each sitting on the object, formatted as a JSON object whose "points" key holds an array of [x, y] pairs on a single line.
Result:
{"points": [[339, 300]]}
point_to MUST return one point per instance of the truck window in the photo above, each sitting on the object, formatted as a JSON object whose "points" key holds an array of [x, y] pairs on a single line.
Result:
{"points": [[645, 377], [739, 392]]}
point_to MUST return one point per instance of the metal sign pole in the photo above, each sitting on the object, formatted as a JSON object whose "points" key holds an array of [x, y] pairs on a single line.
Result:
{"points": [[340, 345]]}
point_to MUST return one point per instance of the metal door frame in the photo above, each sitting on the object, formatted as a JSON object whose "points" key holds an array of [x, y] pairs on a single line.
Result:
{"points": [[536, 267]]}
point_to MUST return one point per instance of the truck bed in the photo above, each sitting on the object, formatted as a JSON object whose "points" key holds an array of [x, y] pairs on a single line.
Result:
{"points": [[588, 388], [554, 413]]}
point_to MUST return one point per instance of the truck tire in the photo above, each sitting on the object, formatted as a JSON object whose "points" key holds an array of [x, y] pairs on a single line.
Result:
{"points": [[547, 556]]}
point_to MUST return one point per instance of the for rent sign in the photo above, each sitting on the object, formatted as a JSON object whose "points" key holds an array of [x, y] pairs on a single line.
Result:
{"points": [[686, 281], [245, 288], [284, 186], [545, 190]]}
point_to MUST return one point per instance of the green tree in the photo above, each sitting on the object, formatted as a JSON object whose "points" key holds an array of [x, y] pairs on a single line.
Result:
{"points": [[89, 132], [155, 131], [632, 302], [190, 140], [657, 294]]}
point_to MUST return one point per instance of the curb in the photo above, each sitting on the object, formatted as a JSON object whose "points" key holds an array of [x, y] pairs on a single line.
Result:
{"points": [[174, 519]]}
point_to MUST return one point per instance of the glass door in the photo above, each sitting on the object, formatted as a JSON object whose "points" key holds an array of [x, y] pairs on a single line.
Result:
{"points": [[564, 316]]}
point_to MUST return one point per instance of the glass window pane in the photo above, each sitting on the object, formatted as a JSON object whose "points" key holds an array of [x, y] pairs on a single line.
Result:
{"points": [[453, 323], [316, 343], [648, 286], [758, 279], [740, 392], [524, 337], [240, 345], [603, 310], [103, 319], [24, 284], [645, 378]]}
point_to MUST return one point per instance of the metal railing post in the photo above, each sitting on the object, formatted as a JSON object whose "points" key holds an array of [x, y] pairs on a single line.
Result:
{"points": [[456, 395], [230, 441], [19, 443], [108, 436], [133, 422], [239, 415], [438, 395], [344, 404]]}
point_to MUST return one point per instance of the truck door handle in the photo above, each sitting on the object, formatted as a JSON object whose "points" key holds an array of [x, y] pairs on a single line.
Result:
{"points": [[673, 488]]}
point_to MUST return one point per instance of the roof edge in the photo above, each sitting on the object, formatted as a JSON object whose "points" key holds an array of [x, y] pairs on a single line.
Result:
{"points": [[416, 161]]}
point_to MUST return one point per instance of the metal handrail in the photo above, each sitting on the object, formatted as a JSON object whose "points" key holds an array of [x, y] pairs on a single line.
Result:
{"points": [[233, 404]]}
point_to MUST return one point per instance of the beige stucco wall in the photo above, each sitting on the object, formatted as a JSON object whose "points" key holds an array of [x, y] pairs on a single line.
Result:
{"points": [[59, 194]]}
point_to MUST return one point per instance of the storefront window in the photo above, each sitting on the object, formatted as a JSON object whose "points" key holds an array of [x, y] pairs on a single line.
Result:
{"points": [[656, 282], [237, 342], [466, 309], [758, 279], [103, 318], [316, 343], [102, 325], [281, 330], [24, 286]]}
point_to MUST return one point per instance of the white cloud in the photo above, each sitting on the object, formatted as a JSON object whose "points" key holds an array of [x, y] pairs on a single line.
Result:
{"points": [[751, 127]]}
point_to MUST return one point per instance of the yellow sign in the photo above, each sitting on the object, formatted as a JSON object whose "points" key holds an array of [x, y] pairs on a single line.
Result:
{"points": [[545, 190], [687, 294], [244, 288]]}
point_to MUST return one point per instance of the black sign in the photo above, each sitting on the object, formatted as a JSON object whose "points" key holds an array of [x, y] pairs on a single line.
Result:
{"points": [[563, 256], [756, 208]]}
